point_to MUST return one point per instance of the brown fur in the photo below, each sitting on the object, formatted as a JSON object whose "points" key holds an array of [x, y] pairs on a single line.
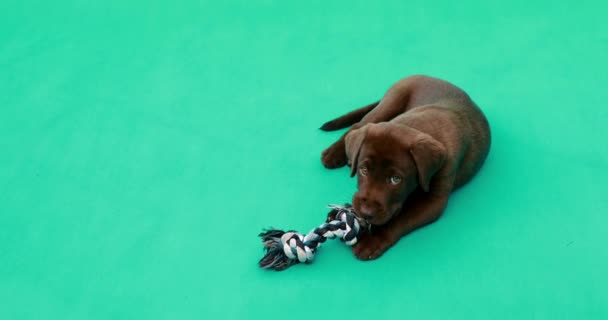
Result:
{"points": [[423, 140]]}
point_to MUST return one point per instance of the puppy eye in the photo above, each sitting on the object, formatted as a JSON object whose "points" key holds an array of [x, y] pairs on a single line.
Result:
{"points": [[363, 171], [395, 179]]}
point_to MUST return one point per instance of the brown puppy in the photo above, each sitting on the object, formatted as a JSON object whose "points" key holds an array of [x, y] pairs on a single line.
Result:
{"points": [[410, 150]]}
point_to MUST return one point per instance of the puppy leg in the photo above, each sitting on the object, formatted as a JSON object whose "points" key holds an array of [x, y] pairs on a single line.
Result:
{"points": [[393, 104], [418, 213], [334, 156]]}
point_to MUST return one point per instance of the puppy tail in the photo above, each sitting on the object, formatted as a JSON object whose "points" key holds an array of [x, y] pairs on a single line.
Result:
{"points": [[348, 119]]}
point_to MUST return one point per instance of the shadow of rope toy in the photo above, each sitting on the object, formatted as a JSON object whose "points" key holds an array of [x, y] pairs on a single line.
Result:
{"points": [[286, 248]]}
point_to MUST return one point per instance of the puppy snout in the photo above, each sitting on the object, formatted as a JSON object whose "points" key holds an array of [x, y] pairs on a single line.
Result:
{"points": [[367, 210], [366, 214]]}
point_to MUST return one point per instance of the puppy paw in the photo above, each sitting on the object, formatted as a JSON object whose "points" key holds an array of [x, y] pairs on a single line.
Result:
{"points": [[372, 246], [334, 156]]}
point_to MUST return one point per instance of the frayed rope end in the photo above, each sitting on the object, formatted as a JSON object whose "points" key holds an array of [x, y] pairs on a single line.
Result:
{"points": [[274, 258]]}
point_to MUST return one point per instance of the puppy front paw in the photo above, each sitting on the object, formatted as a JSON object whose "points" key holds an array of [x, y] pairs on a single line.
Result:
{"points": [[334, 156], [372, 246]]}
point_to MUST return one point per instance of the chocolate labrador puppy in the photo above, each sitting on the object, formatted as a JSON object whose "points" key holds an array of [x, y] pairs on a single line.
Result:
{"points": [[410, 150]]}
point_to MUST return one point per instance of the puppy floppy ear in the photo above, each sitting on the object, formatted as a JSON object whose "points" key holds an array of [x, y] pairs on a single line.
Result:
{"points": [[429, 156], [353, 142]]}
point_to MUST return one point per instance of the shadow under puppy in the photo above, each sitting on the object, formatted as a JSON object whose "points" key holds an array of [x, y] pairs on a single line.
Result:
{"points": [[410, 150]]}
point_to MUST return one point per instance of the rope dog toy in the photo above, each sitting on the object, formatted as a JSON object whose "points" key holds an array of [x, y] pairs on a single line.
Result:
{"points": [[286, 248]]}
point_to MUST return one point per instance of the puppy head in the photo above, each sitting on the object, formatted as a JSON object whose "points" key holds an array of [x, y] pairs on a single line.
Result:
{"points": [[390, 162]]}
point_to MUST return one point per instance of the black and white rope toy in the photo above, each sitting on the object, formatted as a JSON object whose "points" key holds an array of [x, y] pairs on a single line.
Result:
{"points": [[286, 248]]}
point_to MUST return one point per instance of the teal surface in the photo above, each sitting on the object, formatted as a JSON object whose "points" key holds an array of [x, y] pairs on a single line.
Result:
{"points": [[144, 144]]}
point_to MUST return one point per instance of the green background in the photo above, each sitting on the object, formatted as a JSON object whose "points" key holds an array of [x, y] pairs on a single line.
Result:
{"points": [[144, 144]]}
